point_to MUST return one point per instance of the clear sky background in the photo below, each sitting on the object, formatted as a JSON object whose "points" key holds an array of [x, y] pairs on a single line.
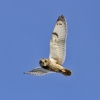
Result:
{"points": [[25, 31]]}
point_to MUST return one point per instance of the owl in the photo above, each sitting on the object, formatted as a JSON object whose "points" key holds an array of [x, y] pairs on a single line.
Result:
{"points": [[57, 55]]}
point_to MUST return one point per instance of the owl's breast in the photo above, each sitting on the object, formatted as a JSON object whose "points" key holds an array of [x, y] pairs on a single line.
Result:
{"points": [[55, 67]]}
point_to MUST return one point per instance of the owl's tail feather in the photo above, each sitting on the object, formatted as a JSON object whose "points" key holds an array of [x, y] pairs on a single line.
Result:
{"points": [[66, 72]]}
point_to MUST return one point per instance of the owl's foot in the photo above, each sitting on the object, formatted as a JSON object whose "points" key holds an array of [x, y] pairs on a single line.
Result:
{"points": [[66, 72]]}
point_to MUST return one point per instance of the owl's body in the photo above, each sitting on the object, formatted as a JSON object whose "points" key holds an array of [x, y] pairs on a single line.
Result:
{"points": [[57, 51], [50, 65]]}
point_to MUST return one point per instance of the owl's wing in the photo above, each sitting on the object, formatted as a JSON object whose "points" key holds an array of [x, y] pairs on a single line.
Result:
{"points": [[58, 41], [38, 71]]}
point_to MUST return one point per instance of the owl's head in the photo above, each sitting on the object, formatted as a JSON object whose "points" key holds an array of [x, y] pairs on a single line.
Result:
{"points": [[44, 62]]}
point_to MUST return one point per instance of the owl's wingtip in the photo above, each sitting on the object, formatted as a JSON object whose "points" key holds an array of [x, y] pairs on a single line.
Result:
{"points": [[25, 73], [61, 17]]}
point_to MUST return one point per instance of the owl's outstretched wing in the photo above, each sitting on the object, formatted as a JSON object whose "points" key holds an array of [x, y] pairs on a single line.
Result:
{"points": [[58, 41], [38, 71]]}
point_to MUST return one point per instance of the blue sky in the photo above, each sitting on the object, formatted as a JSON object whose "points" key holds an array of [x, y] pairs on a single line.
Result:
{"points": [[25, 32]]}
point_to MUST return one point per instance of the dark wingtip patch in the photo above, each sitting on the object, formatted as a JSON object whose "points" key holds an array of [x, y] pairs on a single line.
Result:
{"points": [[62, 18], [55, 34]]}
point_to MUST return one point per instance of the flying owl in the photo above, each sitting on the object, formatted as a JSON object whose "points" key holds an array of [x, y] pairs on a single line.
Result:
{"points": [[57, 52]]}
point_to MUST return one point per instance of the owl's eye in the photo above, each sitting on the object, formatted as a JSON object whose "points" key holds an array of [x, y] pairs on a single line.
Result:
{"points": [[40, 61], [45, 60]]}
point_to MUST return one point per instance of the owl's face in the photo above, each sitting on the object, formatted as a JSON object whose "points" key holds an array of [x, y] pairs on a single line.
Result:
{"points": [[43, 62]]}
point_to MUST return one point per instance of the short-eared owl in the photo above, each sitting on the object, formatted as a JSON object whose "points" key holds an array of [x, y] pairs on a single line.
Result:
{"points": [[57, 51]]}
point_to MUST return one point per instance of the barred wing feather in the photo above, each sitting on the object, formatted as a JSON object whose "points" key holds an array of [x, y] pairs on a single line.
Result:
{"points": [[38, 71], [58, 41]]}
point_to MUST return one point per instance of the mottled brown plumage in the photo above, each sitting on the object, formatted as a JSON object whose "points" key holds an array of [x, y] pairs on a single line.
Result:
{"points": [[52, 66]]}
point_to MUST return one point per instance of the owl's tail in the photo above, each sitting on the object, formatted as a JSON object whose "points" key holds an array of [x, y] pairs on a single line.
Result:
{"points": [[66, 72]]}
